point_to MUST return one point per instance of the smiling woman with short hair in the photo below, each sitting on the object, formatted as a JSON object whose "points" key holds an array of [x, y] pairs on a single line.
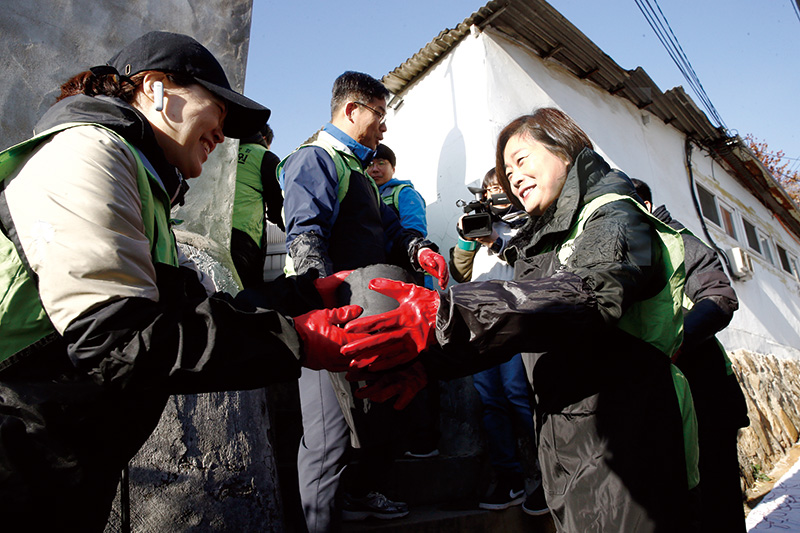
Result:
{"points": [[595, 304]]}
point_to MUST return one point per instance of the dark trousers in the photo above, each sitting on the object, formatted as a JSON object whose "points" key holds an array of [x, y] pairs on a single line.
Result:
{"points": [[721, 410], [504, 392]]}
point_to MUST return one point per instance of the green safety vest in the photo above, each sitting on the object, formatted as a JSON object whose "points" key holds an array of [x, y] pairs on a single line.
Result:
{"points": [[23, 321], [391, 197], [345, 164], [659, 319], [248, 202]]}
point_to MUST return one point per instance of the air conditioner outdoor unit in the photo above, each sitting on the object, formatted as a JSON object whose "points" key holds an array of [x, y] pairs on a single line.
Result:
{"points": [[741, 264]]}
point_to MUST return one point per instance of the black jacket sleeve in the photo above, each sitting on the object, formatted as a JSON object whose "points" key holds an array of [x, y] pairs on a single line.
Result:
{"points": [[482, 324], [617, 256], [188, 342], [566, 307], [709, 288], [273, 196]]}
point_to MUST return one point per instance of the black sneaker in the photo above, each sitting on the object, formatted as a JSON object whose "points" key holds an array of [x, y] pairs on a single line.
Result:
{"points": [[374, 505], [503, 496], [535, 504]]}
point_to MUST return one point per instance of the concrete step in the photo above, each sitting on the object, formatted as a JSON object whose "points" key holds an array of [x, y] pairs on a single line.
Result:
{"points": [[454, 483], [438, 479], [453, 518]]}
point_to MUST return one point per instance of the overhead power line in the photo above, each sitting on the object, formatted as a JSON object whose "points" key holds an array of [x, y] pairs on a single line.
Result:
{"points": [[796, 7], [658, 22]]}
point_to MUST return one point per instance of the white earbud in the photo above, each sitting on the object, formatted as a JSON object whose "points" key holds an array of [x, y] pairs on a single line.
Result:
{"points": [[158, 95]]}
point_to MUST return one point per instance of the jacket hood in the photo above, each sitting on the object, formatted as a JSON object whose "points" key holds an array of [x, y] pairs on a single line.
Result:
{"points": [[123, 119], [394, 182], [515, 218], [589, 177]]}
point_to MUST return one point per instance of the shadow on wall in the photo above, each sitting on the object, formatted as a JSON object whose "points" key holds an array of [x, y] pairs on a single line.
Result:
{"points": [[452, 163]]}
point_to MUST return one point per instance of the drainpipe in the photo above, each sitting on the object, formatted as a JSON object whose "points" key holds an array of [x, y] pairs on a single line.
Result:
{"points": [[721, 253]]}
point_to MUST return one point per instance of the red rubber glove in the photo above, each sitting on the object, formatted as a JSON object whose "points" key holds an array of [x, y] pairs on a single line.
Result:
{"points": [[435, 265], [404, 383], [326, 287], [396, 336], [323, 338]]}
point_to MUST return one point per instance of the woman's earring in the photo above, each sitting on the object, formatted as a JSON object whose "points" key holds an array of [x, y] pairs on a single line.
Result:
{"points": [[158, 95]]}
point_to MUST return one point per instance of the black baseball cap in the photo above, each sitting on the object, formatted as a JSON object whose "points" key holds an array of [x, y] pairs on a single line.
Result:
{"points": [[178, 53]]}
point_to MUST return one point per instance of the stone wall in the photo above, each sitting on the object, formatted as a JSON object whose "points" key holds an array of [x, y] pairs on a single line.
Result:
{"points": [[210, 464], [772, 390]]}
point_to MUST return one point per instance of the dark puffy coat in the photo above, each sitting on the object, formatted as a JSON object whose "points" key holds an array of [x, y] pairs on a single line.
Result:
{"points": [[611, 444], [718, 398]]}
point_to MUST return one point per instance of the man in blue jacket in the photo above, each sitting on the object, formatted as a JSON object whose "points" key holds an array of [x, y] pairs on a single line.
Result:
{"points": [[335, 221]]}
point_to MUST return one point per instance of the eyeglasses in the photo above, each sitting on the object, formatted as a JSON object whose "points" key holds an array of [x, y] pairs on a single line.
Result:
{"points": [[494, 189], [379, 163], [381, 115]]}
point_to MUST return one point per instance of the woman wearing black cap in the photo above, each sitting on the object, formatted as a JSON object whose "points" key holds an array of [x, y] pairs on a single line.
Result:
{"points": [[101, 319]]}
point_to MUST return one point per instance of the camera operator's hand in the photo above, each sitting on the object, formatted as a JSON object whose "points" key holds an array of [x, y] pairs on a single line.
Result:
{"points": [[488, 241]]}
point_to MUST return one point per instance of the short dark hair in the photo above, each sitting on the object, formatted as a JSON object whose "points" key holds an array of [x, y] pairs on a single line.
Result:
{"points": [[643, 190], [355, 86], [263, 137], [489, 178], [550, 126], [267, 133], [384, 152]]}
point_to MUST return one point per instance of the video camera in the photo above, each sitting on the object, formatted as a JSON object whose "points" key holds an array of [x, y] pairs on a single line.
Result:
{"points": [[479, 224]]}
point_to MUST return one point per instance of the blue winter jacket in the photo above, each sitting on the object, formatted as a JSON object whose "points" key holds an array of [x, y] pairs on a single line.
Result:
{"points": [[410, 205]]}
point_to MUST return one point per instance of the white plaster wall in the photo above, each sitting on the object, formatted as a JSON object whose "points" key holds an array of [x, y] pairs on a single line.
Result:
{"points": [[440, 136], [768, 320], [444, 136]]}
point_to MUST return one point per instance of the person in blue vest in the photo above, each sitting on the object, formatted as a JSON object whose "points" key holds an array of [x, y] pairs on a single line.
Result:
{"points": [[258, 198], [721, 407], [102, 318], [336, 221], [595, 309], [400, 195]]}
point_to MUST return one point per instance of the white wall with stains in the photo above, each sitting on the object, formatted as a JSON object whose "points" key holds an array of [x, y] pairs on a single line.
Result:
{"points": [[444, 130]]}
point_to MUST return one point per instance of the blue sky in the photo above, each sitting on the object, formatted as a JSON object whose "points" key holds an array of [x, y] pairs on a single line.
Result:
{"points": [[745, 54]]}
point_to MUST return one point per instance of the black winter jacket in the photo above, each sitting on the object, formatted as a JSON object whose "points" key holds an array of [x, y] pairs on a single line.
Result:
{"points": [[707, 286], [610, 431], [717, 395]]}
